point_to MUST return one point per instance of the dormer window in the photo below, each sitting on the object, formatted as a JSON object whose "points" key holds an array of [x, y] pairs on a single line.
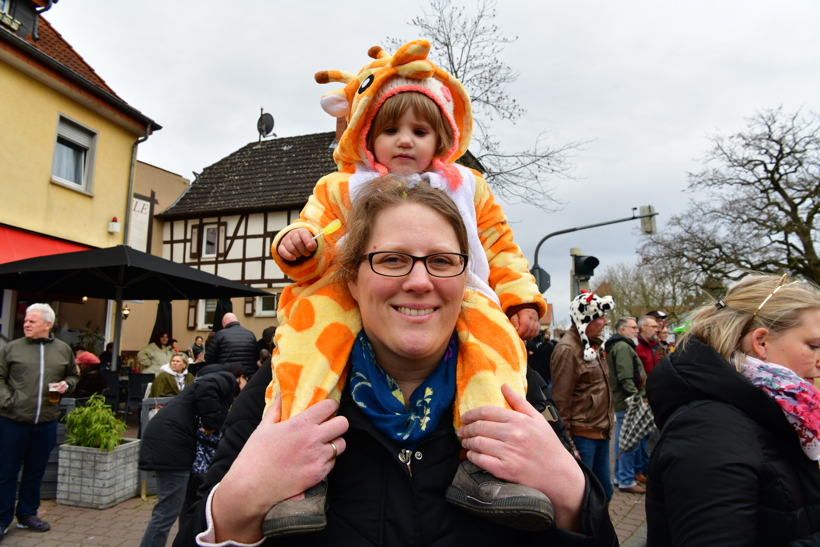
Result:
{"points": [[5, 15]]}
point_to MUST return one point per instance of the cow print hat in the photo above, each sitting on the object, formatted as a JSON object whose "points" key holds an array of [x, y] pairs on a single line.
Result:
{"points": [[586, 308]]}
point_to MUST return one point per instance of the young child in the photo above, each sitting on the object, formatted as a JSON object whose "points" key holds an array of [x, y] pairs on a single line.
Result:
{"points": [[405, 116]]}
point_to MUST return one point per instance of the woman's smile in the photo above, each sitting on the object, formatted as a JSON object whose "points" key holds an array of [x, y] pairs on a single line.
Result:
{"points": [[414, 312]]}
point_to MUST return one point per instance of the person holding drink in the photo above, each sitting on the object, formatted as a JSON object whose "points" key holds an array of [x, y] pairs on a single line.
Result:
{"points": [[34, 372]]}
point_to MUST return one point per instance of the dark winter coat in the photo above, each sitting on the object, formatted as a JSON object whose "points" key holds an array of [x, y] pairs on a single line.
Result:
{"points": [[539, 360], [26, 368], [91, 382], [626, 373], [728, 469], [169, 441], [648, 352], [375, 501], [233, 344]]}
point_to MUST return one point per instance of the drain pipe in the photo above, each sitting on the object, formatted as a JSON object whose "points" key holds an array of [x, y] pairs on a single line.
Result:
{"points": [[127, 229], [36, 34]]}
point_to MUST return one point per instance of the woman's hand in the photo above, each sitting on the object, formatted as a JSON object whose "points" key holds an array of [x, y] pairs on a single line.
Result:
{"points": [[279, 461], [296, 244], [520, 446]]}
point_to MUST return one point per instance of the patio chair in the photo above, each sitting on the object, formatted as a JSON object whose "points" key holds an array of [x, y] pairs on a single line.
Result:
{"points": [[112, 394], [136, 390]]}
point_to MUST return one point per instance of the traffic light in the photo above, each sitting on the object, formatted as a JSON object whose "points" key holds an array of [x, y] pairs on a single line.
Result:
{"points": [[648, 225], [584, 266]]}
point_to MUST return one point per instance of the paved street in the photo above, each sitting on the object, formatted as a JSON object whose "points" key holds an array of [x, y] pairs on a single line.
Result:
{"points": [[124, 524]]}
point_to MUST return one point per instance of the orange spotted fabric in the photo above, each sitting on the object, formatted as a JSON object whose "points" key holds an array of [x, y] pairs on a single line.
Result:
{"points": [[319, 319]]}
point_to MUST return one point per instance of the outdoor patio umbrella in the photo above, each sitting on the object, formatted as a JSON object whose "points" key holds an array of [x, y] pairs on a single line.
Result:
{"points": [[164, 321], [118, 273]]}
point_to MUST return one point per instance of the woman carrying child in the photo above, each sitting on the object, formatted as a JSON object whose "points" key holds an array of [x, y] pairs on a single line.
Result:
{"points": [[406, 116]]}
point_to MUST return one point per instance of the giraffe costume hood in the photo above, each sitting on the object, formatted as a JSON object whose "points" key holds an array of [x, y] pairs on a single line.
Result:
{"points": [[363, 94]]}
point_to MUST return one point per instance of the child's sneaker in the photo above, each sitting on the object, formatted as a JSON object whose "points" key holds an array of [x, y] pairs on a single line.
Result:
{"points": [[298, 516], [507, 503]]}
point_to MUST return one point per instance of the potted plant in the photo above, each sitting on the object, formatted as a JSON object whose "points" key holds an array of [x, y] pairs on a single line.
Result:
{"points": [[97, 467]]}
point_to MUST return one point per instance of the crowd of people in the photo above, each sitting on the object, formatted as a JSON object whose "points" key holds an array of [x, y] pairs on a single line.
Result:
{"points": [[424, 417]]}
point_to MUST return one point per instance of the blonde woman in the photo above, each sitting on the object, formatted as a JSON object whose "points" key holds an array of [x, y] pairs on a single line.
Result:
{"points": [[172, 378], [736, 462]]}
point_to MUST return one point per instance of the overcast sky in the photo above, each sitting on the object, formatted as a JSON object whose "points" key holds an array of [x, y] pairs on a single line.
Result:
{"points": [[646, 81]]}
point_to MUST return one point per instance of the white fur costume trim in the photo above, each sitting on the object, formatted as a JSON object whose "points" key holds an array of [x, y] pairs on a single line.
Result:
{"points": [[478, 272]]}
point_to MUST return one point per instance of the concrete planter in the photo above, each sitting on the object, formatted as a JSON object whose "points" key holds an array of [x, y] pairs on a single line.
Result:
{"points": [[89, 477]]}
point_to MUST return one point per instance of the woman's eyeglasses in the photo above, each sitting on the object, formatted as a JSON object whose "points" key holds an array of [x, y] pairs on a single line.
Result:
{"points": [[395, 264]]}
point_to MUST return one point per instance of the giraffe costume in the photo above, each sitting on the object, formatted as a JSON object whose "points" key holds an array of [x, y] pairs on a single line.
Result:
{"points": [[319, 320]]}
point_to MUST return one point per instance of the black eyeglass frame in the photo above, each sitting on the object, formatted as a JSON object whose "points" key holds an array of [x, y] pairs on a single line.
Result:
{"points": [[422, 259]]}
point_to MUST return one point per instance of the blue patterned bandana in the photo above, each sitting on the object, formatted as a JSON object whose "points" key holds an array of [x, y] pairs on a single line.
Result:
{"points": [[379, 396]]}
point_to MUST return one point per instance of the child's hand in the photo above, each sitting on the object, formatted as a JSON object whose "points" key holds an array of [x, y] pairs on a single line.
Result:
{"points": [[526, 324], [296, 244]]}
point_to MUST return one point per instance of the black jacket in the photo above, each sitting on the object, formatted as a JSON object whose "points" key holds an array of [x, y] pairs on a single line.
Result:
{"points": [[539, 360], [728, 469], [169, 441], [375, 501], [233, 344]]}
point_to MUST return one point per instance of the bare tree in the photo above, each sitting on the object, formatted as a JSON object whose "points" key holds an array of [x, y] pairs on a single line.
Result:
{"points": [[643, 287], [468, 46], [757, 207]]}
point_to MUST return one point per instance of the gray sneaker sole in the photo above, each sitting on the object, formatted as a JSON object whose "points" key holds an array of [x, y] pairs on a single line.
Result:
{"points": [[294, 524], [523, 513]]}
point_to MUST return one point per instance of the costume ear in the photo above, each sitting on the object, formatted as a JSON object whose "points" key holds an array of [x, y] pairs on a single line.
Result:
{"points": [[335, 103]]}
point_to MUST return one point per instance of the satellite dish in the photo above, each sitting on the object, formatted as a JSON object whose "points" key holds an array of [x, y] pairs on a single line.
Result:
{"points": [[265, 125]]}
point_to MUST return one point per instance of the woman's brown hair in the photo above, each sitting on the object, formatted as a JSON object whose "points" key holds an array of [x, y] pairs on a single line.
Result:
{"points": [[384, 193], [424, 107]]}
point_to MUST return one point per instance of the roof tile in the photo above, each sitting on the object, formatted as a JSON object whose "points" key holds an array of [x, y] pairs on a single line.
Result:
{"points": [[276, 174], [55, 46]]}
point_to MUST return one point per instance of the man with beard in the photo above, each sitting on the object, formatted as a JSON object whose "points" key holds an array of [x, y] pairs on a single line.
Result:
{"points": [[648, 342]]}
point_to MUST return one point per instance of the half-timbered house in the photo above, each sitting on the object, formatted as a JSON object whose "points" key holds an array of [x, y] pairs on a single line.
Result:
{"points": [[225, 222]]}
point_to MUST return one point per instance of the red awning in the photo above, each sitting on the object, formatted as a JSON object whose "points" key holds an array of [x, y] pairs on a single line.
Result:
{"points": [[18, 245]]}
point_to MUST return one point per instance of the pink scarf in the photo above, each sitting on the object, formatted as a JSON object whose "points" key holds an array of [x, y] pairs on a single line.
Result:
{"points": [[798, 399]]}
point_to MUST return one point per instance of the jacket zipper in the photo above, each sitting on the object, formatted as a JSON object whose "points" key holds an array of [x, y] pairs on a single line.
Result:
{"points": [[406, 456], [40, 390]]}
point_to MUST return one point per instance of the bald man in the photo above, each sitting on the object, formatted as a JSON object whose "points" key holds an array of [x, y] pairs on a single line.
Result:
{"points": [[233, 344]]}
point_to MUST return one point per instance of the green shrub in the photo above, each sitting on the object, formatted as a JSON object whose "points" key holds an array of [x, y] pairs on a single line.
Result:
{"points": [[94, 426]]}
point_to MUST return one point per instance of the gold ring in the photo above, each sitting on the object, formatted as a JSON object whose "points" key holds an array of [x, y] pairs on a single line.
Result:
{"points": [[334, 450]]}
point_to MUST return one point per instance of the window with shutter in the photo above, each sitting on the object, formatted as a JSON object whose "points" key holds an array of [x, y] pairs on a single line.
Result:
{"points": [[192, 308], [196, 230]]}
